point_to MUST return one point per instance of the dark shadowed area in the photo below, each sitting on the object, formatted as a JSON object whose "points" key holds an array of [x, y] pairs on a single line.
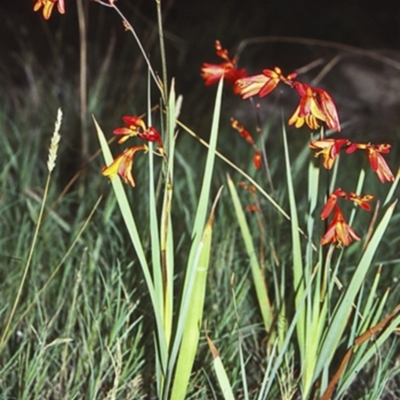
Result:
{"points": [[365, 85]]}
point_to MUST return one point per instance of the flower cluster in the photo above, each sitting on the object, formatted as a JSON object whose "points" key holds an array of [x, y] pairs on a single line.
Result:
{"points": [[122, 164], [48, 7], [316, 106], [339, 230], [330, 149]]}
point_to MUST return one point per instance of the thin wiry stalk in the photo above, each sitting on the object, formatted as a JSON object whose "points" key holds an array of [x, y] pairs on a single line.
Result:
{"points": [[162, 52], [129, 27], [83, 77]]}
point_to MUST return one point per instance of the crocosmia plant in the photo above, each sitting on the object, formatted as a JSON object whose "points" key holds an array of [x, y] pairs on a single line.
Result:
{"points": [[258, 261]]}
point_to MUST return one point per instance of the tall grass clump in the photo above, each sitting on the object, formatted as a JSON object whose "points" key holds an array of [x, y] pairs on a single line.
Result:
{"points": [[192, 274]]}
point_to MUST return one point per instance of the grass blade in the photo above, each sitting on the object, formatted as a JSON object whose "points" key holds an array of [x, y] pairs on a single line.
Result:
{"points": [[191, 331], [257, 273], [220, 370]]}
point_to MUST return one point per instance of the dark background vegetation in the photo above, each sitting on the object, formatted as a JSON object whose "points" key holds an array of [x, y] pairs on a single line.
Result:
{"points": [[365, 89], [360, 85], [192, 26]]}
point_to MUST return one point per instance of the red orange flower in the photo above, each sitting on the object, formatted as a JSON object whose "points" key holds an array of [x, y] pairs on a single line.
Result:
{"points": [[376, 160], [137, 127], [315, 104], [151, 134], [212, 73], [360, 200], [122, 165], [261, 84], [48, 7], [329, 109], [329, 149], [339, 231], [331, 202]]}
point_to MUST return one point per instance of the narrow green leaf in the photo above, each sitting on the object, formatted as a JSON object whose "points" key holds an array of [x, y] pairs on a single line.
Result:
{"points": [[257, 273], [198, 230], [166, 232], [192, 326], [298, 271]]}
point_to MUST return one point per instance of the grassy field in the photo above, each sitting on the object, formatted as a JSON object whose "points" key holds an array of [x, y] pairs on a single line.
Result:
{"points": [[172, 289]]}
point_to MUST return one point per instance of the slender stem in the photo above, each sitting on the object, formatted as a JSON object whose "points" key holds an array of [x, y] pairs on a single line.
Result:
{"points": [[263, 148], [164, 73], [129, 27], [162, 51]]}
